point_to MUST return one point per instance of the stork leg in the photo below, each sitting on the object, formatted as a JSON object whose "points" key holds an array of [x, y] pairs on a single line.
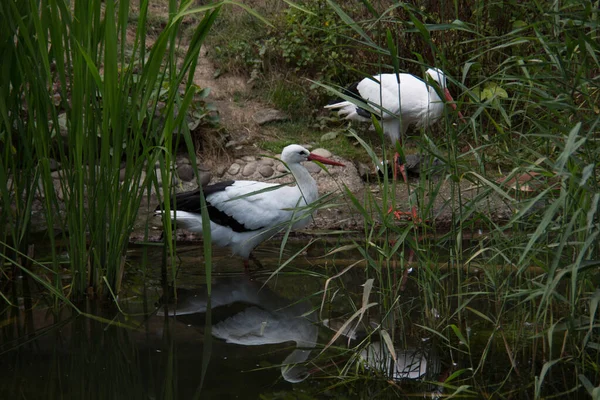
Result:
{"points": [[256, 261], [399, 167]]}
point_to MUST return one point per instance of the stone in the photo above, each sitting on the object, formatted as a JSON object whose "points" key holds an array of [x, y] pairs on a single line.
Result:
{"points": [[363, 170], [185, 172], [205, 177], [281, 168], [220, 171], [269, 115], [174, 179], [181, 160], [239, 161], [249, 169], [122, 173], [266, 161], [249, 158], [322, 152], [56, 174], [53, 164], [266, 171], [234, 169], [312, 168]]}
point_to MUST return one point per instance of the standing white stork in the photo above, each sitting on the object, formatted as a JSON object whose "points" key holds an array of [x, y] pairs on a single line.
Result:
{"points": [[243, 214], [399, 100]]}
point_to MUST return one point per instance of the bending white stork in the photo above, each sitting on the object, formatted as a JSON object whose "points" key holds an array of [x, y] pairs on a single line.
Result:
{"points": [[399, 100], [243, 214], [270, 319]]}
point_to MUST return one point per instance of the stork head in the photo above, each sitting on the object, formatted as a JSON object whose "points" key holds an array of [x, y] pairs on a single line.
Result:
{"points": [[295, 154], [437, 75]]}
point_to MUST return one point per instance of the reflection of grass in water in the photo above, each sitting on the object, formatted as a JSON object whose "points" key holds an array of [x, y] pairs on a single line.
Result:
{"points": [[485, 310], [500, 323]]}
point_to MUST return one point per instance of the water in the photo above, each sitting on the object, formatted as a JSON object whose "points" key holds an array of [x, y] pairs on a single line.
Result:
{"points": [[259, 333], [260, 336]]}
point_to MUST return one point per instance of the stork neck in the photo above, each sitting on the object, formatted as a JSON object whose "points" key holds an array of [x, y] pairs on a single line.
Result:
{"points": [[305, 182]]}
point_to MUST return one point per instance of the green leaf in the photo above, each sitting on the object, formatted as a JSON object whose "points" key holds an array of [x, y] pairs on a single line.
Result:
{"points": [[329, 136]]}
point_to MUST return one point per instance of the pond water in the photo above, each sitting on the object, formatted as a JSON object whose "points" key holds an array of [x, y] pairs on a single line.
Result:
{"points": [[260, 336], [263, 336]]}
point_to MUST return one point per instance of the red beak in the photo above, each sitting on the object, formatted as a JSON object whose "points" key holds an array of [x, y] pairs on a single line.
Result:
{"points": [[450, 101], [323, 160]]}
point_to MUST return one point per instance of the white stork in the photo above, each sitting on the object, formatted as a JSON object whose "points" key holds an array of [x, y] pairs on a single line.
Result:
{"points": [[399, 100], [243, 214]]}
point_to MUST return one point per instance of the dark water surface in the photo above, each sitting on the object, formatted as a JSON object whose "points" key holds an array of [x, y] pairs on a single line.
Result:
{"points": [[147, 352], [261, 336]]}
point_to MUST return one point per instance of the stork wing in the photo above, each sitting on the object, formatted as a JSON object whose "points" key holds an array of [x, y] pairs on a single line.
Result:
{"points": [[253, 206]]}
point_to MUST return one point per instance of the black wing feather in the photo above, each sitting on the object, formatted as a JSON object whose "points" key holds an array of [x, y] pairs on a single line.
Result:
{"points": [[352, 91], [190, 202]]}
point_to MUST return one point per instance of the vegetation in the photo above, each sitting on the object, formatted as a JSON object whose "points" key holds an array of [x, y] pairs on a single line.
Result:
{"points": [[520, 291]]}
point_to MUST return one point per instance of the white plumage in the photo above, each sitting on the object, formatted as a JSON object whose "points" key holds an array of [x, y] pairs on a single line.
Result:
{"points": [[245, 213], [399, 100], [270, 319]]}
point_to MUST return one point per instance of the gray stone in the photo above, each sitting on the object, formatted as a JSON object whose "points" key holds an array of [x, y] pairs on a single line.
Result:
{"points": [[62, 125], [239, 161], [363, 170], [313, 168], [181, 160], [281, 168], [205, 177], [249, 158], [185, 172], [122, 174], [53, 164], [249, 169], [56, 174], [266, 161], [234, 169], [266, 171], [202, 166], [220, 171], [174, 180], [322, 152], [269, 115]]}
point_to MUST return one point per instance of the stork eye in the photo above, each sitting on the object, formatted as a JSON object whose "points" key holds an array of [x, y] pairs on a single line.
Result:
{"points": [[302, 153]]}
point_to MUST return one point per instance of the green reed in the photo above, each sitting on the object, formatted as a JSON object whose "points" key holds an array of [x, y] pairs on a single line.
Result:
{"points": [[77, 92], [527, 286]]}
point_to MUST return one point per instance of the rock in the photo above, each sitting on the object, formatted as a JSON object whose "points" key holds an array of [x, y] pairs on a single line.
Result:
{"points": [[53, 164], [174, 179], [266, 161], [363, 170], [281, 168], [183, 160], [266, 171], [220, 171], [249, 158], [205, 177], [313, 168], [62, 125], [201, 166], [234, 169], [249, 169], [185, 172], [269, 115], [56, 174], [122, 173], [240, 161], [322, 152]]}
